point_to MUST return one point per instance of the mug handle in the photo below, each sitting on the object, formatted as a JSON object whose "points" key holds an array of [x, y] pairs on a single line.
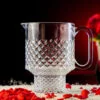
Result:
{"points": [[90, 48]]}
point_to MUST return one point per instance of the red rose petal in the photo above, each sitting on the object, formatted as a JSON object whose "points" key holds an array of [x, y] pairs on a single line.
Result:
{"points": [[24, 94], [81, 87], [97, 91], [68, 85], [77, 96], [60, 99], [19, 94], [94, 89], [50, 95], [67, 96], [37, 98], [84, 93]]}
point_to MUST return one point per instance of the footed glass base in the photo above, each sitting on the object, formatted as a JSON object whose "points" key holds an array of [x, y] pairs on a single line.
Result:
{"points": [[49, 83]]}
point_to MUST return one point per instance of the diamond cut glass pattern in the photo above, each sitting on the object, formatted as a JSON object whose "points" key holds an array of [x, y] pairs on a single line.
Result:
{"points": [[58, 83], [51, 53]]}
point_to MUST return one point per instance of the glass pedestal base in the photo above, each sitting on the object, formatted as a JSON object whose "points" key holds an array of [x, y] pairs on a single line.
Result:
{"points": [[49, 83]]}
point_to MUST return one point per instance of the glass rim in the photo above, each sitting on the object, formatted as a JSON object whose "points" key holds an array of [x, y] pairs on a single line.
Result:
{"points": [[50, 22]]}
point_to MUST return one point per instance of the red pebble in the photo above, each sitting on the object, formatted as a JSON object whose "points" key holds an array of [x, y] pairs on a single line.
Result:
{"points": [[68, 86]]}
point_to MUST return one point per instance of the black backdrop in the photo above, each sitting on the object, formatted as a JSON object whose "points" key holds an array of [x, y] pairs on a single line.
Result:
{"points": [[13, 65]]}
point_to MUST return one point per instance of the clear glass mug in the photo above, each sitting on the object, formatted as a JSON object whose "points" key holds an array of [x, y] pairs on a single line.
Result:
{"points": [[50, 53]]}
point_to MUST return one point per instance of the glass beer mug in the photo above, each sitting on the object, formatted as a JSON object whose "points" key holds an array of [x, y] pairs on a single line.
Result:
{"points": [[50, 53]]}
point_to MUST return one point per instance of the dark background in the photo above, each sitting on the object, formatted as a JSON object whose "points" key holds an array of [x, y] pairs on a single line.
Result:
{"points": [[76, 11]]}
